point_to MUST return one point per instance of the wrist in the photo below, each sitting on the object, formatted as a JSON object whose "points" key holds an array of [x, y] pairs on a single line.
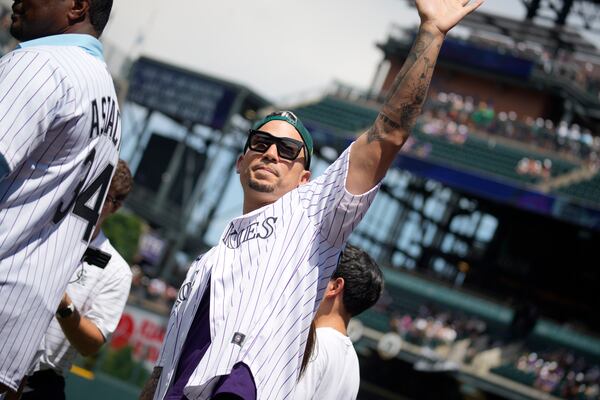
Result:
{"points": [[431, 28]]}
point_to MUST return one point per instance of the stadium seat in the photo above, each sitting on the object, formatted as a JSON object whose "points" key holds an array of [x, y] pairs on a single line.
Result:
{"points": [[475, 154], [588, 191]]}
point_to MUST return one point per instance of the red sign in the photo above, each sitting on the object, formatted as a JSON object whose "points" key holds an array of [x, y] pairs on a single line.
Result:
{"points": [[143, 331]]}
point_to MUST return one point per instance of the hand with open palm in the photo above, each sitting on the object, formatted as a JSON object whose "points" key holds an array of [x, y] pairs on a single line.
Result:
{"points": [[444, 14]]}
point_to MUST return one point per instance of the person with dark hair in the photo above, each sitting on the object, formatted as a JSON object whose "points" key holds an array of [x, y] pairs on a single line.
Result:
{"points": [[330, 368], [60, 135], [239, 326]]}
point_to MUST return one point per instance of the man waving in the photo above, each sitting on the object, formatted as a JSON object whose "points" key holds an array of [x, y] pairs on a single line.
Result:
{"points": [[240, 326]]}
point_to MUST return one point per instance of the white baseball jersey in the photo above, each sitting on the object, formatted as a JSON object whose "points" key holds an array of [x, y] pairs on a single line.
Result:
{"points": [[60, 132], [99, 294], [267, 276], [332, 372]]}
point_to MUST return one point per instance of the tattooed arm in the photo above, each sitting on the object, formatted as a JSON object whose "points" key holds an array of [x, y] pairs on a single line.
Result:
{"points": [[151, 385], [374, 151]]}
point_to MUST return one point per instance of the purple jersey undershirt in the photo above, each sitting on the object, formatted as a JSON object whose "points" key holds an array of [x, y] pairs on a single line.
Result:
{"points": [[238, 383]]}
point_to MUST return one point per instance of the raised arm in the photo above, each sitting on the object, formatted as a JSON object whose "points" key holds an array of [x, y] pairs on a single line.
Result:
{"points": [[374, 151]]}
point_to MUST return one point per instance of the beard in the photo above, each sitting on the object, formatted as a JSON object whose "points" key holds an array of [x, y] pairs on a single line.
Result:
{"points": [[260, 187]]}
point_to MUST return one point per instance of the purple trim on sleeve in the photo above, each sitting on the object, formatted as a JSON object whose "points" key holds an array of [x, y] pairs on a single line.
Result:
{"points": [[239, 382]]}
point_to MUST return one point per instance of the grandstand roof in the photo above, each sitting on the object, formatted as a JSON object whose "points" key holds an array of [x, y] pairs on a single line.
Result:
{"points": [[550, 38]]}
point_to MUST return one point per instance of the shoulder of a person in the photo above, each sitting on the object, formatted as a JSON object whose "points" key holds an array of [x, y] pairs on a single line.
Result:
{"points": [[328, 341], [332, 341], [330, 334], [40, 59], [43, 56]]}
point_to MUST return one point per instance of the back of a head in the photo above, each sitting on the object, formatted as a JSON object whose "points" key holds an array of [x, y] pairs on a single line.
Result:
{"points": [[363, 280], [363, 285], [122, 181], [99, 14]]}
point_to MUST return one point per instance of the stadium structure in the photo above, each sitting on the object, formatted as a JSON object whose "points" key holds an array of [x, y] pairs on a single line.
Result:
{"points": [[490, 265], [487, 228]]}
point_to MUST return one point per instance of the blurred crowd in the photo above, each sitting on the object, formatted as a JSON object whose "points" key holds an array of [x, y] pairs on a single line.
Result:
{"points": [[562, 63], [151, 292], [454, 117], [560, 373], [449, 340], [432, 329], [535, 168]]}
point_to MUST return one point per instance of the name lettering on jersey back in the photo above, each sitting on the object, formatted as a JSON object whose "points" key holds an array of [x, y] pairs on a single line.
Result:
{"points": [[106, 118], [256, 230]]}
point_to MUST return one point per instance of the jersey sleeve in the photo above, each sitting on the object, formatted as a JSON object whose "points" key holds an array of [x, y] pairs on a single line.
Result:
{"points": [[107, 308], [334, 210], [31, 92]]}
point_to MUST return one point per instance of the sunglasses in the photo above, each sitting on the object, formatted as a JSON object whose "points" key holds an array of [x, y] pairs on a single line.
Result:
{"points": [[287, 148]]}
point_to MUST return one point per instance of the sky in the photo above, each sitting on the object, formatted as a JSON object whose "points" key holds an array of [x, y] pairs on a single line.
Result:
{"points": [[284, 50]]}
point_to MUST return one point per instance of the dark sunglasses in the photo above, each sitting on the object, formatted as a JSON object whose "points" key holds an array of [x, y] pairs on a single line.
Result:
{"points": [[287, 148]]}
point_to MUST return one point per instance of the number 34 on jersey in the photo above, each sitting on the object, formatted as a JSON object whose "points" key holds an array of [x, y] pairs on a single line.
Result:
{"points": [[105, 122]]}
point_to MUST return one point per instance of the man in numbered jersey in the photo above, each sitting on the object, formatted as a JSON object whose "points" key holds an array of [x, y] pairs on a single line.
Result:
{"points": [[60, 133], [239, 327], [90, 308]]}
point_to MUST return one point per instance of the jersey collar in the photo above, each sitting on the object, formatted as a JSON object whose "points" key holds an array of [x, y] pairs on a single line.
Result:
{"points": [[88, 43]]}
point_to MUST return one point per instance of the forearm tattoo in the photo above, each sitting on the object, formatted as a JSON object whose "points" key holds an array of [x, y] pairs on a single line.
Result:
{"points": [[409, 90]]}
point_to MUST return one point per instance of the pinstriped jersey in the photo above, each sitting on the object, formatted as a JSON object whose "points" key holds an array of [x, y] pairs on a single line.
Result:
{"points": [[267, 276], [60, 134]]}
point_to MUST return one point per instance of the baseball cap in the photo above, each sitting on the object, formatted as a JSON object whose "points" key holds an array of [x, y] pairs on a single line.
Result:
{"points": [[293, 120]]}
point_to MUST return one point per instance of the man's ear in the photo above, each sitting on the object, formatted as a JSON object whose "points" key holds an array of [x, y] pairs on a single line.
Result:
{"points": [[79, 11], [238, 162], [304, 177], [334, 287], [338, 285]]}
